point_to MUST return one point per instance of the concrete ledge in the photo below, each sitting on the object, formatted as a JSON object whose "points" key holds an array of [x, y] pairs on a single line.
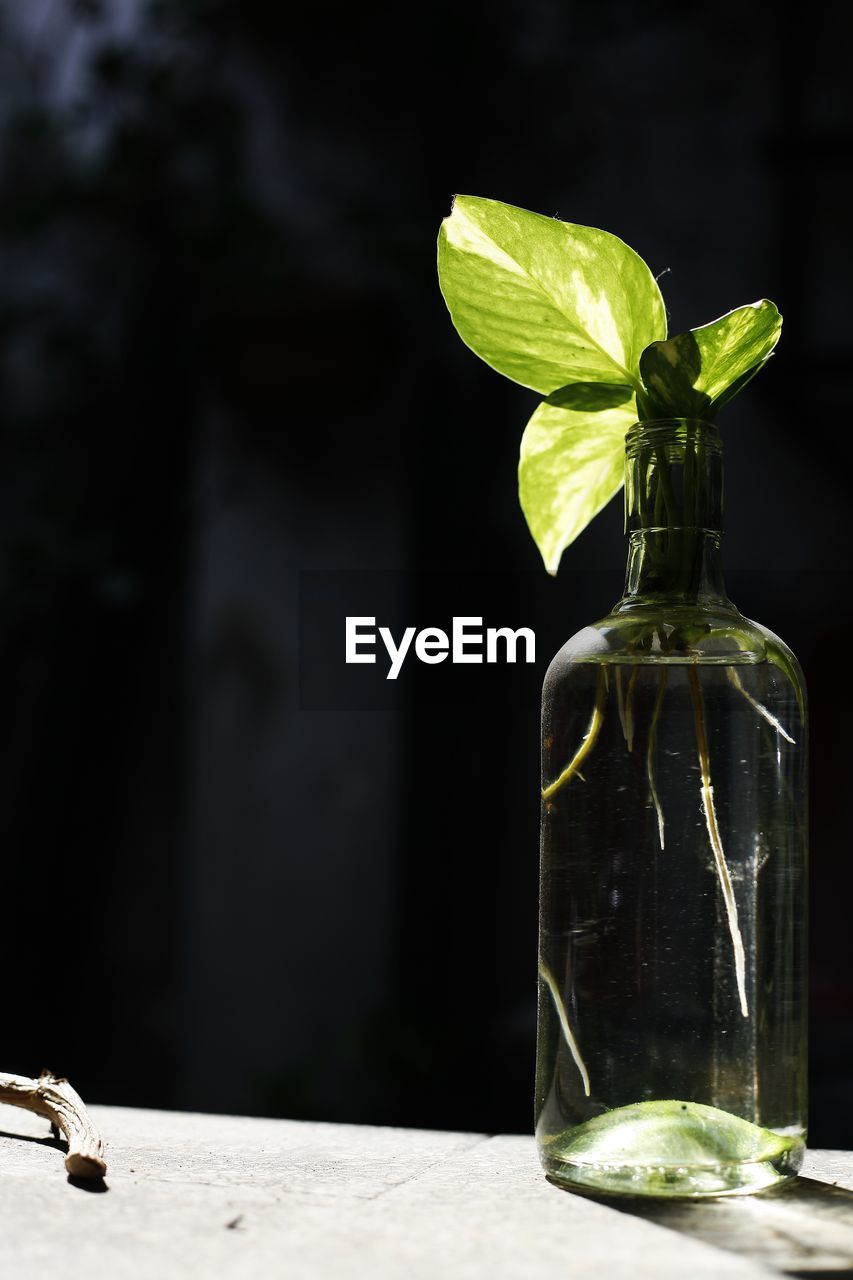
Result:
{"points": [[222, 1196]]}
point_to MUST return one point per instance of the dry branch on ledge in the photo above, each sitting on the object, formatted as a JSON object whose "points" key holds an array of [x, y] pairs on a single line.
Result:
{"points": [[55, 1099]]}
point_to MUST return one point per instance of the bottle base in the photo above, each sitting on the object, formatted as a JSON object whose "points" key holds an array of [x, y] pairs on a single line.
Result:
{"points": [[670, 1149], [662, 1182]]}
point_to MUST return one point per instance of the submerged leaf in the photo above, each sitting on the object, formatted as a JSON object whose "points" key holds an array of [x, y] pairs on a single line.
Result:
{"points": [[546, 303], [668, 1133], [571, 465], [693, 374]]}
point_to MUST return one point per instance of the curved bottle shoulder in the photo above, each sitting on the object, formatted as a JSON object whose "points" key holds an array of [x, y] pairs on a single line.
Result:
{"points": [[678, 635]]}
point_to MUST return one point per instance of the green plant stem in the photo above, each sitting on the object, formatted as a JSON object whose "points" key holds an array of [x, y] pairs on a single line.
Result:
{"points": [[690, 514], [650, 752], [588, 741], [550, 982], [707, 792], [665, 484]]}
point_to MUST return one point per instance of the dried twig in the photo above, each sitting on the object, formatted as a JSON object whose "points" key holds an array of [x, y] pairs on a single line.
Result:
{"points": [[714, 836], [56, 1101]]}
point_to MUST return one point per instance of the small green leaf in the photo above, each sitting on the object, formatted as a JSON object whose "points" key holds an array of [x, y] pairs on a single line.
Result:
{"points": [[590, 396], [572, 463], [693, 374], [545, 302]]}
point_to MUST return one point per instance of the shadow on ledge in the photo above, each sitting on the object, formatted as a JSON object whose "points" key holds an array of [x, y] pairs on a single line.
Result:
{"points": [[96, 1185], [47, 1141], [802, 1229]]}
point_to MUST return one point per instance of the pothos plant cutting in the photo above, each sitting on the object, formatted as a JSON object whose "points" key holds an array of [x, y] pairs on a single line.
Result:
{"points": [[671, 1031]]}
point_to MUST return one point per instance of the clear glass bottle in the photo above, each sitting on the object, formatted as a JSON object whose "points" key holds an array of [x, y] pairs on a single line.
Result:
{"points": [[672, 1000]]}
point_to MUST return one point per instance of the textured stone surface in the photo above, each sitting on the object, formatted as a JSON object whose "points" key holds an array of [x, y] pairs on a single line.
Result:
{"points": [[219, 1196]]}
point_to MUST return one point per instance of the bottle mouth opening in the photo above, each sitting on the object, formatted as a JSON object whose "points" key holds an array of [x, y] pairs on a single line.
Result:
{"points": [[663, 432]]}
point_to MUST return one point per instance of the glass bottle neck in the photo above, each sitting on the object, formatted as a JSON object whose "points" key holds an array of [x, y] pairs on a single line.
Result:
{"points": [[680, 566], [673, 514]]}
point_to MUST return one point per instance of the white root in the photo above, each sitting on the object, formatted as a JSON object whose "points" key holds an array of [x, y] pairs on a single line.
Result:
{"points": [[56, 1101], [758, 706], [707, 792], [588, 741], [650, 754], [550, 982], [629, 708], [620, 703]]}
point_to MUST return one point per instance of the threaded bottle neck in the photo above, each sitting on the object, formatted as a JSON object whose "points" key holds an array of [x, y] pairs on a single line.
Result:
{"points": [[673, 475], [673, 513]]}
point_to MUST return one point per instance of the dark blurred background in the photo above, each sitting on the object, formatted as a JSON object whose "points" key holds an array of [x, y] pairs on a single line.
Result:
{"points": [[229, 385]]}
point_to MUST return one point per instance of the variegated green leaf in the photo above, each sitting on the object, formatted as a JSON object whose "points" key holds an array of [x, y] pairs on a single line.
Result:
{"points": [[546, 303], [693, 374], [571, 465]]}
